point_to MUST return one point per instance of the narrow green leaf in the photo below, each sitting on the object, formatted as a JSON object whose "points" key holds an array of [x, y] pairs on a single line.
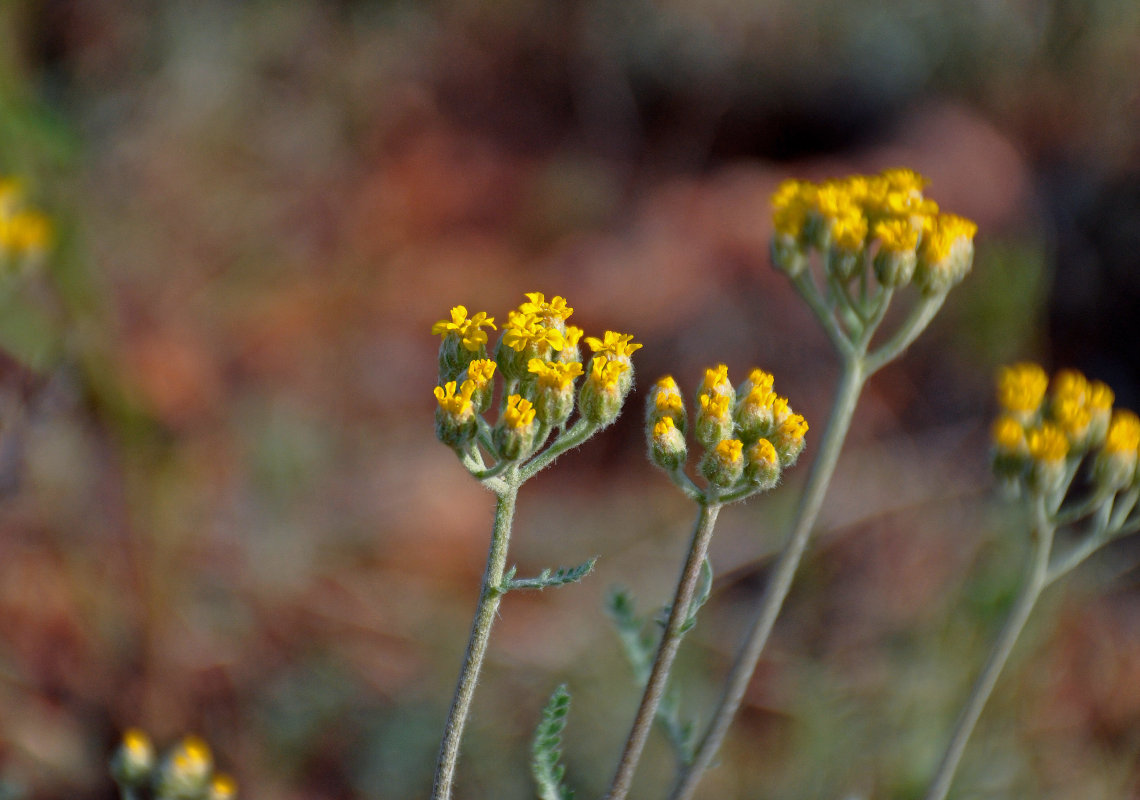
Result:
{"points": [[546, 578]]}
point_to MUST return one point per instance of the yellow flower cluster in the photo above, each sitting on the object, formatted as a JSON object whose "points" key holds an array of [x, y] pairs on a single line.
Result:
{"points": [[539, 360], [883, 219], [24, 232], [186, 771], [749, 433], [1045, 426]]}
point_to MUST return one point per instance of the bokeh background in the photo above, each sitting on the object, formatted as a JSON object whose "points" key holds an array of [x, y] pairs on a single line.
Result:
{"points": [[223, 509]]}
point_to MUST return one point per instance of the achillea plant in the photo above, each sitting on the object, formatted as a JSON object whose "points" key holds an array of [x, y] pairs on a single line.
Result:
{"points": [[537, 362], [1047, 433], [186, 772]]}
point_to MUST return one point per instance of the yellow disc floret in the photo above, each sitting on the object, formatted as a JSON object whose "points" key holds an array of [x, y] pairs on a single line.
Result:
{"points": [[557, 375], [481, 371], [519, 412], [716, 381], [1047, 444], [1008, 435], [896, 235], [555, 309], [456, 401], [1123, 433]]}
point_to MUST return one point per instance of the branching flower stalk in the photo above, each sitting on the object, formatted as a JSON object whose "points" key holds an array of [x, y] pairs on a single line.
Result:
{"points": [[874, 235], [538, 362], [750, 436], [1041, 443]]}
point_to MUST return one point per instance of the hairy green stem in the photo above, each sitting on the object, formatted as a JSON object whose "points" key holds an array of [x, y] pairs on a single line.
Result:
{"points": [[489, 599], [1037, 569], [666, 652], [847, 395]]}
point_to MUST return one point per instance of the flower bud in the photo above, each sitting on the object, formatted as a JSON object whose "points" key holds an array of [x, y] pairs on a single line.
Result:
{"points": [[571, 351], [602, 393], [714, 418], [222, 787], [481, 372], [1010, 450], [455, 423], [946, 254], [464, 340], [514, 435], [665, 401], [763, 466], [788, 255], [788, 439], [667, 448], [133, 762], [1048, 447], [1020, 390], [755, 413], [895, 262], [554, 389], [1115, 465], [724, 464], [186, 770]]}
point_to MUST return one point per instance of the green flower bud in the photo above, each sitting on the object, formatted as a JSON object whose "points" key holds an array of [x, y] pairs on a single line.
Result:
{"points": [[602, 393], [514, 435], [185, 772], [455, 423], [1115, 465], [133, 762], [788, 439], [724, 464], [667, 448], [763, 466], [665, 401], [788, 255]]}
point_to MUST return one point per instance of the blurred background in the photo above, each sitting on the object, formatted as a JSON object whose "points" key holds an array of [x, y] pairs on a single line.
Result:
{"points": [[222, 508]]}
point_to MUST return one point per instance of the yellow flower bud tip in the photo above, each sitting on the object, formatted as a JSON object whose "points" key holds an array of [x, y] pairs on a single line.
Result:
{"points": [[1099, 397], [606, 373], [715, 405], [759, 379], [896, 235], [25, 231], [849, 231], [556, 309], [1008, 435], [1072, 416], [904, 180], [558, 375], [716, 380], [1021, 387], [1047, 444], [572, 335], [222, 787], [794, 427], [1123, 433], [519, 413], [481, 371], [763, 454], [456, 403], [524, 330], [191, 759], [663, 426], [613, 345], [137, 744], [468, 330], [729, 451], [946, 232]]}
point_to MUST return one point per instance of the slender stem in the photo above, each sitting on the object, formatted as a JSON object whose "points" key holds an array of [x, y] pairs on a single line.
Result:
{"points": [[578, 433], [489, 598], [1037, 569], [906, 334], [666, 652], [847, 395], [805, 285]]}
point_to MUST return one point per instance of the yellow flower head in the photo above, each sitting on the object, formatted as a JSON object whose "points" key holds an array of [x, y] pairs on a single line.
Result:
{"points": [[1123, 433], [849, 230], [138, 745], [25, 231], [1099, 397], [524, 330], [758, 378], [519, 413], [667, 397], [222, 787], [832, 199], [1068, 383], [481, 371], [1047, 443], [191, 759], [716, 381], [1021, 388], [555, 374], [945, 233], [715, 405], [794, 427], [662, 427], [1072, 416], [790, 208], [763, 454], [606, 373], [456, 403], [469, 331], [896, 235], [614, 345], [556, 309], [729, 451], [1008, 435], [901, 179]]}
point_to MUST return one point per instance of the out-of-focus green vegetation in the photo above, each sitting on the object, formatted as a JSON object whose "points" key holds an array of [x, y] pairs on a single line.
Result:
{"points": [[222, 508]]}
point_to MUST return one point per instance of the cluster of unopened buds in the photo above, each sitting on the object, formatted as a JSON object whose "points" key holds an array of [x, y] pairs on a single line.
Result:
{"points": [[882, 218], [539, 360], [1047, 428], [749, 433], [24, 232], [186, 772]]}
